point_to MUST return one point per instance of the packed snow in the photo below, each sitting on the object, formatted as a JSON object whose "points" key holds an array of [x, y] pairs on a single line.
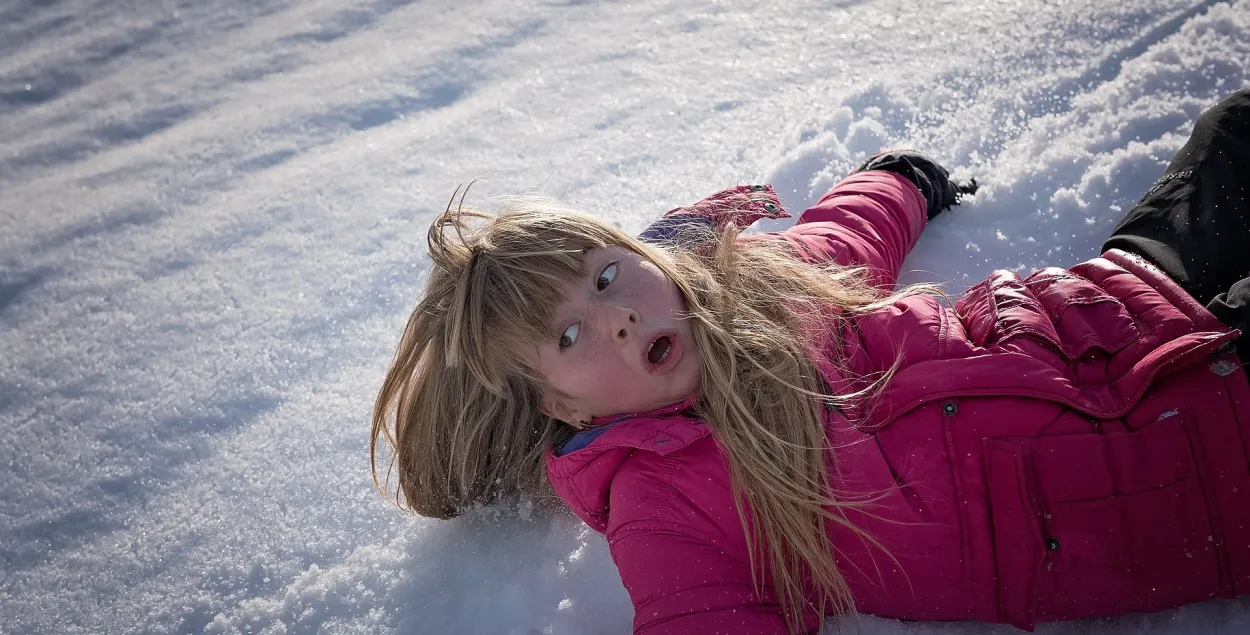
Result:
{"points": [[212, 220]]}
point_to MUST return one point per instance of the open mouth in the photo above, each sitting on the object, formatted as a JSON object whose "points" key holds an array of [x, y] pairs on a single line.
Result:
{"points": [[663, 354], [660, 349]]}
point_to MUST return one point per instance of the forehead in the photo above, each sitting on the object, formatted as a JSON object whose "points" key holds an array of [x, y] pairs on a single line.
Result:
{"points": [[610, 252], [596, 257]]}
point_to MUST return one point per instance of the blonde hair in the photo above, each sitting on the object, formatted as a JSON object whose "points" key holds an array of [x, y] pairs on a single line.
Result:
{"points": [[460, 405]]}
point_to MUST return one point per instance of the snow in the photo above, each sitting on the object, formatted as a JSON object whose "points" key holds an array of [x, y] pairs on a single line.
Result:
{"points": [[212, 219]]}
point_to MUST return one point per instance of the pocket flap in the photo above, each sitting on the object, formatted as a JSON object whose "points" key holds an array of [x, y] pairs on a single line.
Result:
{"points": [[1083, 467], [1017, 538]]}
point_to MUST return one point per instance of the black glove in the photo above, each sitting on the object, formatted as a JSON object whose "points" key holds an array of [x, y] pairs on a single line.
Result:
{"points": [[933, 181]]}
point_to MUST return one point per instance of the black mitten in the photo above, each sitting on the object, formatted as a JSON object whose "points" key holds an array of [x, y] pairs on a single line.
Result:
{"points": [[931, 179]]}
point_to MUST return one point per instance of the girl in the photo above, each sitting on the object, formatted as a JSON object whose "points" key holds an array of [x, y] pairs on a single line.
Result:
{"points": [[767, 435]]}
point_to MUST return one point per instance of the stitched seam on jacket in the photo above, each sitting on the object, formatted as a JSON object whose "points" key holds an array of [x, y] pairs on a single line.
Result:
{"points": [[1239, 424], [1174, 294], [994, 337], [671, 528], [1206, 488], [668, 466], [670, 506], [965, 549], [1144, 328]]}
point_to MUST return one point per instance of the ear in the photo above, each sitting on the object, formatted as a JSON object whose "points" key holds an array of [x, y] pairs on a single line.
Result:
{"points": [[561, 410]]}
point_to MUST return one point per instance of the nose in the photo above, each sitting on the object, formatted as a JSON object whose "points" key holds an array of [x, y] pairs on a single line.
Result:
{"points": [[626, 318]]}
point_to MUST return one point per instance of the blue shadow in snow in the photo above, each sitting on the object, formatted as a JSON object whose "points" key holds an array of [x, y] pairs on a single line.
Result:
{"points": [[60, 75], [133, 128], [436, 88], [144, 124], [167, 446], [346, 22], [47, 86], [371, 114], [23, 22], [117, 221], [11, 289], [264, 161], [342, 25]]}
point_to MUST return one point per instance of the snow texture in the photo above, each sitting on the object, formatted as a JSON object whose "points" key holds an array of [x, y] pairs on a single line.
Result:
{"points": [[212, 221]]}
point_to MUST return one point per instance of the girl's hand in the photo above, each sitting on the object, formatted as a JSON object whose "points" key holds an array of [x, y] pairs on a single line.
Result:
{"points": [[931, 179]]}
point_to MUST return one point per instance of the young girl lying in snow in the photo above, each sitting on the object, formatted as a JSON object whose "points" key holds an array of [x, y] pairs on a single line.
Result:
{"points": [[767, 434]]}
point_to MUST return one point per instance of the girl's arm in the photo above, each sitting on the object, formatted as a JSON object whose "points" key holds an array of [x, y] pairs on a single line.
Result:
{"points": [[680, 584], [871, 219]]}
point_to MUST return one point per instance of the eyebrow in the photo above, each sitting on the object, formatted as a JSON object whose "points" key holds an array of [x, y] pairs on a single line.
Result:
{"points": [[553, 327]]}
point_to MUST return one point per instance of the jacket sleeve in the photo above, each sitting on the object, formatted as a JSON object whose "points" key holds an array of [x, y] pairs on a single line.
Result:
{"points": [[871, 219], [680, 584]]}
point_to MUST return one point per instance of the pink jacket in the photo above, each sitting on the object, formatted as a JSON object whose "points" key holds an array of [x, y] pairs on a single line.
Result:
{"points": [[1068, 445]]}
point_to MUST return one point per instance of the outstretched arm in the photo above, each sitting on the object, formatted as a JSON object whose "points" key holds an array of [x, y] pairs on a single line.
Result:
{"points": [[871, 219], [874, 217]]}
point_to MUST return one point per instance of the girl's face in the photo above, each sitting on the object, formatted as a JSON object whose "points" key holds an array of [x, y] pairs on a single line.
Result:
{"points": [[617, 344]]}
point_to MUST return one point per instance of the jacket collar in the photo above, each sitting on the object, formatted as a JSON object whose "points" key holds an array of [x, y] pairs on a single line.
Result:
{"points": [[583, 478]]}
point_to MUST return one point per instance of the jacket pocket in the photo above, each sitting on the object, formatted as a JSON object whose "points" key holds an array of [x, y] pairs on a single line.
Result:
{"points": [[1018, 549], [1094, 525]]}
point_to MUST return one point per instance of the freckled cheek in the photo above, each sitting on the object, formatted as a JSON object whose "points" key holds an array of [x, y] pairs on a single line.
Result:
{"points": [[605, 381], [662, 292]]}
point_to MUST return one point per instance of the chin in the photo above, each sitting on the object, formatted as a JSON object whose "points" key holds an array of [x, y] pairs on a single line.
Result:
{"points": [[687, 386]]}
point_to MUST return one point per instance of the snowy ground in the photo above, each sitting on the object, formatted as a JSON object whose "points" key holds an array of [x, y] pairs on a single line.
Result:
{"points": [[211, 231]]}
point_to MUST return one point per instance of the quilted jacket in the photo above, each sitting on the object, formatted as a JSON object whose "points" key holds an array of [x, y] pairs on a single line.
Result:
{"points": [[1066, 445]]}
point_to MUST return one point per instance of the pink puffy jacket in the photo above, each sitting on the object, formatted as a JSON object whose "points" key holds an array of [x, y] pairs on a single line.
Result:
{"points": [[1068, 445]]}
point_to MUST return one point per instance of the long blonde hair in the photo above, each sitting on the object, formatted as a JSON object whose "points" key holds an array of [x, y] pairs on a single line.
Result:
{"points": [[460, 406]]}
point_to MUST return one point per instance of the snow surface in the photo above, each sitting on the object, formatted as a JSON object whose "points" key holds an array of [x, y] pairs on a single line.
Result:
{"points": [[212, 220]]}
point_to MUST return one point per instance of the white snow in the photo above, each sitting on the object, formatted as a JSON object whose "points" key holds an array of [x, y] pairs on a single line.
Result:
{"points": [[212, 222]]}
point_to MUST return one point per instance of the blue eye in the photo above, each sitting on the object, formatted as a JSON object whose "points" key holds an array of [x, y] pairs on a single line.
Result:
{"points": [[607, 276], [569, 336]]}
